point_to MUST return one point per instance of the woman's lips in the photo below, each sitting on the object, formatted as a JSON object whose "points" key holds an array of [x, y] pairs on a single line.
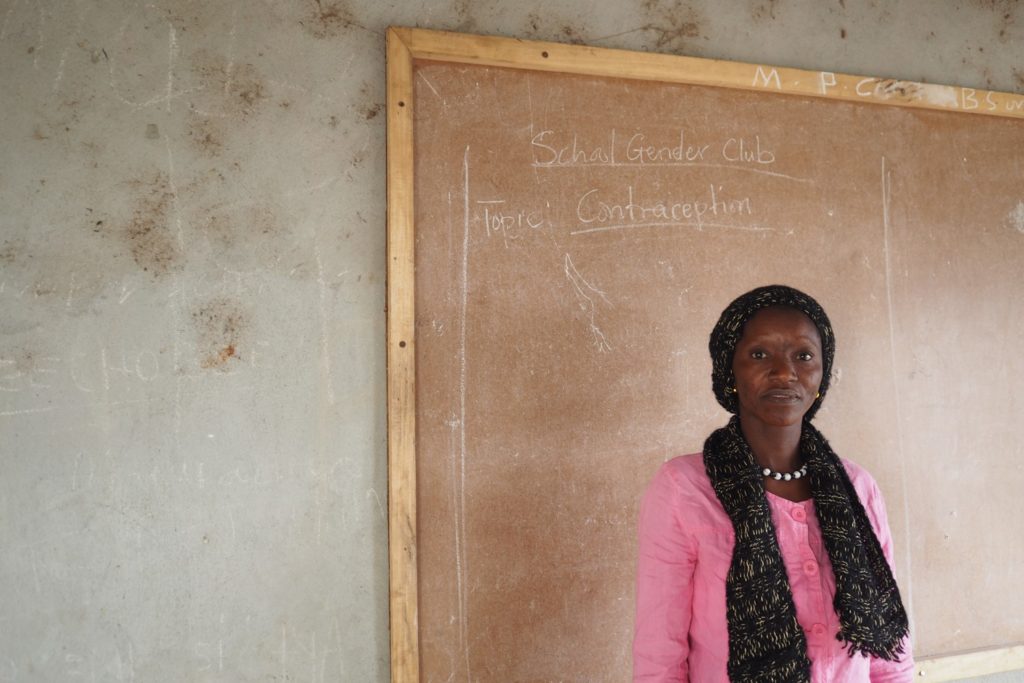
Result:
{"points": [[782, 396]]}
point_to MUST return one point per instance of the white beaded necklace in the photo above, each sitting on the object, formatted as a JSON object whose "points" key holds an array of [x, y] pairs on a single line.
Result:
{"points": [[785, 476]]}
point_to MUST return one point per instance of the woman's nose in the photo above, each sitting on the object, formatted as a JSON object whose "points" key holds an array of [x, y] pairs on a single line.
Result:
{"points": [[783, 367]]}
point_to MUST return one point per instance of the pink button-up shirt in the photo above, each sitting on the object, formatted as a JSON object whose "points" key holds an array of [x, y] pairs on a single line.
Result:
{"points": [[686, 542]]}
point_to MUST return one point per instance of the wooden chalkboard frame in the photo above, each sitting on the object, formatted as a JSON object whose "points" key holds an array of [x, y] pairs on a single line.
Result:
{"points": [[404, 45]]}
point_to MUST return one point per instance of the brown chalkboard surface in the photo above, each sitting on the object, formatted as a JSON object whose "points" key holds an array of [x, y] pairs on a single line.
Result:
{"points": [[566, 224]]}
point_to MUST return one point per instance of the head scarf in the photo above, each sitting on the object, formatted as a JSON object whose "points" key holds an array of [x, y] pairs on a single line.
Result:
{"points": [[765, 641]]}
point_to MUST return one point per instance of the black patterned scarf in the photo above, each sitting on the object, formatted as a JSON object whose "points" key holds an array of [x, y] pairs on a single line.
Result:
{"points": [[765, 641]]}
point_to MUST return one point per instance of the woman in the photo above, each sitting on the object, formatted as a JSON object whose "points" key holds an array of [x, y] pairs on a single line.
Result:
{"points": [[766, 557]]}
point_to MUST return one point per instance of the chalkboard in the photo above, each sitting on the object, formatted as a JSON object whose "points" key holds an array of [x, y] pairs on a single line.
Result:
{"points": [[565, 225]]}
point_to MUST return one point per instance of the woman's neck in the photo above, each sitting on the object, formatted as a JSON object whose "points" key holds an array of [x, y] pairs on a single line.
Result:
{"points": [[777, 448]]}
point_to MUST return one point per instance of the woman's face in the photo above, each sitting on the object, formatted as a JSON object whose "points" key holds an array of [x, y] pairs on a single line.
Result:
{"points": [[778, 367]]}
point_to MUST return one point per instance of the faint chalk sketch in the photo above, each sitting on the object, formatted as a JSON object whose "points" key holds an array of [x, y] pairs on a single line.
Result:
{"points": [[1017, 217], [585, 294]]}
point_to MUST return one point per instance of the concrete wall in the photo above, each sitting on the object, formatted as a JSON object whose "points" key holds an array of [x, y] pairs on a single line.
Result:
{"points": [[192, 408]]}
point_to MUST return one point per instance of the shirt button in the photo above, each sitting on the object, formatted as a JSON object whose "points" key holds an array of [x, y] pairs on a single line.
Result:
{"points": [[810, 567], [799, 514], [818, 629]]}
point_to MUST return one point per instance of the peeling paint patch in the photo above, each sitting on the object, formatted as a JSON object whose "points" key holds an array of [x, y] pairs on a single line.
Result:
{"points": [[220, 326], [941, 95], [1017, 217]]}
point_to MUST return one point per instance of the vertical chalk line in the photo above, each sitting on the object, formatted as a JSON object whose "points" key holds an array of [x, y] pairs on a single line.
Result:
{"points": [[453, 460], [230, 68], [172, 57], [180, 303], [284, 652], [886, 197], [40, 36], [463, 301], [59, 78], [325, 348], [7, 19]]}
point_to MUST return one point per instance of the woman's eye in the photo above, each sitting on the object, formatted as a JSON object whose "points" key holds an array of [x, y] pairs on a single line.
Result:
{"points": [[805, 355], [758, 355]]}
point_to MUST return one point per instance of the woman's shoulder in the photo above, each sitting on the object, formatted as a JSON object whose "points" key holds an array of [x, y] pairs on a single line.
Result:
{"points": [[681, 484], [863, 483], [686, 466], [856, 472], [684, 472]]}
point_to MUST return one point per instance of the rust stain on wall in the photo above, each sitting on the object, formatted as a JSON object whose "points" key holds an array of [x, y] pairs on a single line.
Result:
{"points": [[370, 107], [148, 235], [246, 238], [763, 11], [9, 252], [231, 89], [205, 134], [553, 27], [462, 13], [674, 23], [572, 35], [220, 325], [328, 18], [1004, 11]]}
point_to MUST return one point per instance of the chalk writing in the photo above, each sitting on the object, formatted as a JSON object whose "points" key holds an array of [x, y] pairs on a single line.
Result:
{"points": [[209, 656], [826, 79], [114, 368], [509, 223], [969, 100], [598, 212], [95, 665], [570, 154], [8, 670], [739, 149], [764, 79], [638, 150], [887, 88], [751, 153], [312, 655]]}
